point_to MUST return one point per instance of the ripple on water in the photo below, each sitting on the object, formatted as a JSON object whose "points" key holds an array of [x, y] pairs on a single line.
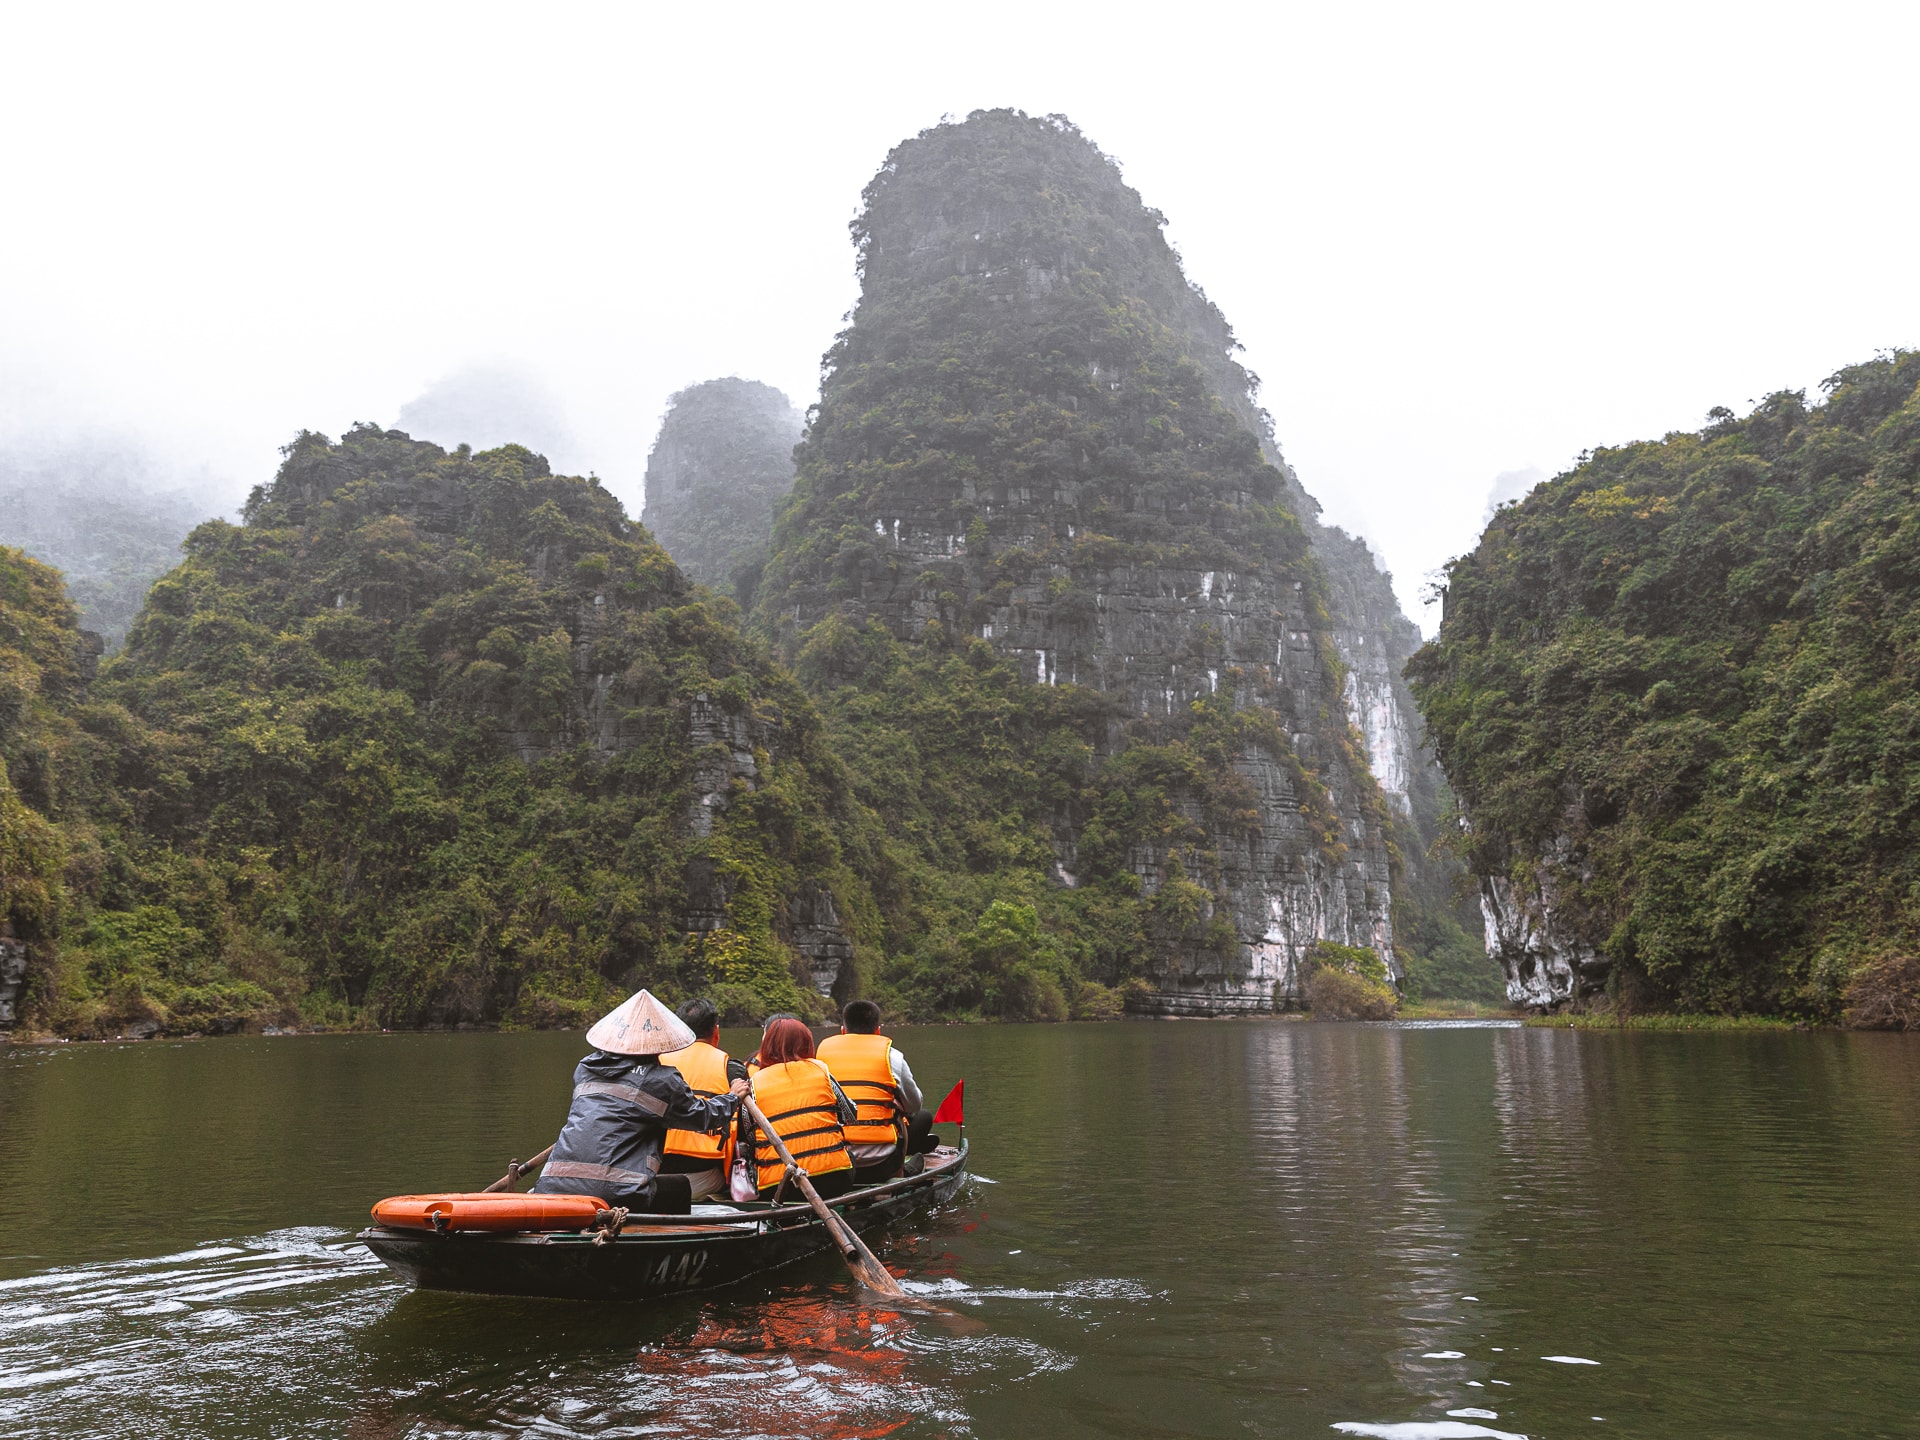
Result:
{"points": [[1426, 1430], [958, 1291]]}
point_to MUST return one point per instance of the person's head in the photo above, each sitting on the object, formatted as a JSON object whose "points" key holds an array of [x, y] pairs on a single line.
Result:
{"points": [[861, 1017], [784, 1039], [700, 1016]]}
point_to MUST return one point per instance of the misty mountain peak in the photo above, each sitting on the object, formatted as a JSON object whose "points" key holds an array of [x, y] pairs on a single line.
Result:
{"points": [[722, 462]]}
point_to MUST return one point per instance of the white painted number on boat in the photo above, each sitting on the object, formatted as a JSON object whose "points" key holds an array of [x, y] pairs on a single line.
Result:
{"points": [[685, 1271]]}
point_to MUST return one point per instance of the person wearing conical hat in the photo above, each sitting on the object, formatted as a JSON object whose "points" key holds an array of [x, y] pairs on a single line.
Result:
{"points": [[624, 1103]]}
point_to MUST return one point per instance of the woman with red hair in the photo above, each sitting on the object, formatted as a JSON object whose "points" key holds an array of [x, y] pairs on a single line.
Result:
{"points": [[806, 1106]]}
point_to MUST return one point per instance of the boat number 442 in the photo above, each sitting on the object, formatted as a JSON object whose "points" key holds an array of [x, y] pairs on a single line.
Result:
{"points": [[678, 1270]]}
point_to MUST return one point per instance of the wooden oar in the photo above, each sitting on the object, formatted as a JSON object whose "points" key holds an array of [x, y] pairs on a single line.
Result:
{"points": [[860, 1260], [515, 1170]]}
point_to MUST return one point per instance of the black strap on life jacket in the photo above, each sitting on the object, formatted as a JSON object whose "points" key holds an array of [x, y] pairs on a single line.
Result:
{"points": [[889, 1096], [793, 1137]]}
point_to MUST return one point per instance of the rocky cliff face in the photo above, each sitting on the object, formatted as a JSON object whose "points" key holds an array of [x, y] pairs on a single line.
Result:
{"points": [[1545, 961], [1374, 640], [13, 978], [722, 463], [1021, 441], [1539, 925]]}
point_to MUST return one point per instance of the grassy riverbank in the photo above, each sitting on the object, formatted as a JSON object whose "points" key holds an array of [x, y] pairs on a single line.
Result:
{"points": [[1609, 1020]]}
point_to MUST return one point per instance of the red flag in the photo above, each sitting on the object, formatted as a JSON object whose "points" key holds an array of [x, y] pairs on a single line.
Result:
{"points": [[949, 1111]]}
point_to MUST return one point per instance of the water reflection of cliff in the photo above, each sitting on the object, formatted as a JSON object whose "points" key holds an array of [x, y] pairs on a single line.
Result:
{"points": [[1384, 1150]]}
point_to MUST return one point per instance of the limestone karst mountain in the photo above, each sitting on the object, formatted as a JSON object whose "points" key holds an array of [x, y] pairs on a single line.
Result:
{"points": [[720, 466], [1674, 689], [1034, 450]]}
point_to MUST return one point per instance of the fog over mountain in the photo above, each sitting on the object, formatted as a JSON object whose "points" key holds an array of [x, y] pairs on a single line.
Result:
{"points": [[1453, 243], [1511, 485], [486, 406], [109, 514]]}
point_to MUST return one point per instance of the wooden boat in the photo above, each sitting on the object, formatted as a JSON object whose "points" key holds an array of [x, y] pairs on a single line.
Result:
{"points": [[719, 1244]]}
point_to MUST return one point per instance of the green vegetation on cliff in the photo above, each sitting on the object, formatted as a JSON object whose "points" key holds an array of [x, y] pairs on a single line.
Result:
{"points": [[977, 771], [430, 738], [1677, 692], [41, 678]]}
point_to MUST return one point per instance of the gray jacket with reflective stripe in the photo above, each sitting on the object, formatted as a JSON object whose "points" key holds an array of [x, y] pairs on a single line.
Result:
{"points": [[623, 1106]]}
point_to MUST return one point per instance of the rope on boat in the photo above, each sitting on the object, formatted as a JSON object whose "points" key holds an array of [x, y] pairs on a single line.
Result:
{"points": [[606, 1225]]}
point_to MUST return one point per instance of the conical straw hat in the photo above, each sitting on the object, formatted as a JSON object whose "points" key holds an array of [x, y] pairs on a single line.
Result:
{"points": [[641, 1026]]}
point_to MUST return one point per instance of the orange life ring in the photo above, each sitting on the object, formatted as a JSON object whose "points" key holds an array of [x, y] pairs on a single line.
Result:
{"points": [[498, 1211]]}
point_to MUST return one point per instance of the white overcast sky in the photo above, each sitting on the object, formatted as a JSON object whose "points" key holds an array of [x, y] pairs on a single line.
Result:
{"points": [[1456, 240]]}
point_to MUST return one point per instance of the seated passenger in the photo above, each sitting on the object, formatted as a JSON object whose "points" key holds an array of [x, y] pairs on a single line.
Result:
{"points": [[624, 1105], [805, 1107], [708, 1071], [892, 1125]]}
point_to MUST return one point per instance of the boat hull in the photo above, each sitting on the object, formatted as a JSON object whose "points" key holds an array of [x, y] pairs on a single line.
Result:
{"points": [[655, 1256]]}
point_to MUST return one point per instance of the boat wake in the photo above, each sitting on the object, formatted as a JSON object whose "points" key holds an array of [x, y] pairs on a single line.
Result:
{"points": [[303, 1329], [82, 1345]]}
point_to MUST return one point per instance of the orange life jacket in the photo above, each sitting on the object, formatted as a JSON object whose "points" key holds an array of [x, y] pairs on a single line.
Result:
{"points": [[859, 1063], [798, 1100], [704, 1068]]}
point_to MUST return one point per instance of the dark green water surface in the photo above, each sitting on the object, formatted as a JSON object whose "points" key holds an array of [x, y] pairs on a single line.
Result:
{"points": [[1193, 1229]]}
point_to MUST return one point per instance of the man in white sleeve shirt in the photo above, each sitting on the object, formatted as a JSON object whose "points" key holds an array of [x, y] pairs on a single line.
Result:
{"points": [[893, 1128]]}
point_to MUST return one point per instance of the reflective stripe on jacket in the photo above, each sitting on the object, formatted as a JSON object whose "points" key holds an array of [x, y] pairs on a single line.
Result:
{"points": [[704, 1068], [604, 1174], [798, 1100], [859, 1063]]}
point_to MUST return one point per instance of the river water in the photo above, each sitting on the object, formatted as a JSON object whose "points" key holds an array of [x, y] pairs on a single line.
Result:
{"points": [[1192, 1229]]}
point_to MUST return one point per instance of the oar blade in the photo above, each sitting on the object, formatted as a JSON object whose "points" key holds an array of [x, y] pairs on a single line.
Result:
{"points": [[876, 1277], [868, 1270], [864, 1264]]}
